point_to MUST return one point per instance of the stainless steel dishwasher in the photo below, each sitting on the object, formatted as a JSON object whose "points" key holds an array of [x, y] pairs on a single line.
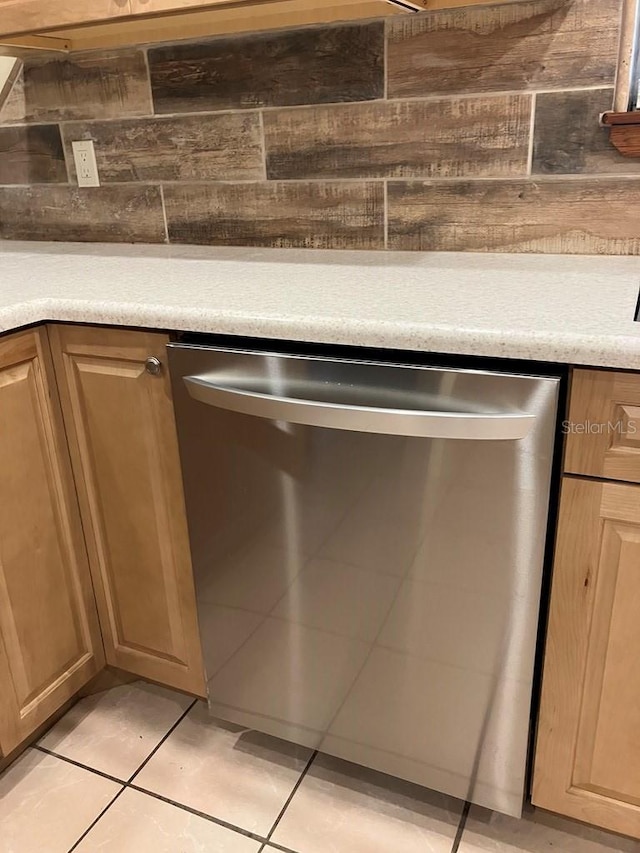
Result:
{"points": [[368, 545]]}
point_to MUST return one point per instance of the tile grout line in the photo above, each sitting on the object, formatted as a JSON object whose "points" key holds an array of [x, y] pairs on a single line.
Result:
{"points": [[147, 68], [570, 177], [460, 830], [99, 817], [247, 833], [532, 130], [385, 213], [128, 784], [263, 146], [164, 213], [385, 64], [268, 107], [273, 845], [292, 794], [78, 764], [159, 744]]}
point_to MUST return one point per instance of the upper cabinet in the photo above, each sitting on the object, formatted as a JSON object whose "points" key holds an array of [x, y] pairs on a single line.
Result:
{"points": [[77, 25], [73, 25], [19, 16]]}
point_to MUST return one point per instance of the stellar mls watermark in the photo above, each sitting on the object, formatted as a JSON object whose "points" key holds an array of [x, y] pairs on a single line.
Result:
{"points": [[599, 427]]}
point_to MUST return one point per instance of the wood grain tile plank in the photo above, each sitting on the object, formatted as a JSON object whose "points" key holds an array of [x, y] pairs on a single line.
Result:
{"points": [[597, 216], [80, 86], [123, 214], [224, 146], [301, 66], [453, 137], [32, 154], [568, 138], [289, 215], [544, 44]]}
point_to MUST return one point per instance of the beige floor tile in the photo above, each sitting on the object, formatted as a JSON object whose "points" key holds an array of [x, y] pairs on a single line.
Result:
{"points": [[116, 730], [237, 775], [138, 823], [343, 808], [537, 832], [46, 803]]}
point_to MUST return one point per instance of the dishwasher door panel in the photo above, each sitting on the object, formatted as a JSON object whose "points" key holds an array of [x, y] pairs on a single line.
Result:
{"points": [[373, 596]]}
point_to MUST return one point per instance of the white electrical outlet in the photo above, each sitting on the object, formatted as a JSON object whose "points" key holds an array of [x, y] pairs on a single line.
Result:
{"points": [[84, 156]]}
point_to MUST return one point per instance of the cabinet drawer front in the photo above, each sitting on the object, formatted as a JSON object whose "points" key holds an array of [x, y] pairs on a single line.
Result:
{"points": [[603, 429]]}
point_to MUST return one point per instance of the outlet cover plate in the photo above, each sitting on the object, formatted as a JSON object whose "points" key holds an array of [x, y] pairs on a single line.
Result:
{"points": [[84, 156]]}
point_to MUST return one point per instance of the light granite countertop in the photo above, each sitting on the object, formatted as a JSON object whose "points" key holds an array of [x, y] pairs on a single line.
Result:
{"points": [[559, 308]]}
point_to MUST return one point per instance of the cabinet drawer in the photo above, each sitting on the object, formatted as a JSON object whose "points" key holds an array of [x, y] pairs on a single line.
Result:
{"points": [[603, 428]]}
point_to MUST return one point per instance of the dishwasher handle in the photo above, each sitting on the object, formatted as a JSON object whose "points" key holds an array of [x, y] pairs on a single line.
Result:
{"points": [[489, 426]]}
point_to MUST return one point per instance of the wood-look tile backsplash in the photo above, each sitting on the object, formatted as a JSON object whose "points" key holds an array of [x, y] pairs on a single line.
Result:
{"points": [[467, 129]]}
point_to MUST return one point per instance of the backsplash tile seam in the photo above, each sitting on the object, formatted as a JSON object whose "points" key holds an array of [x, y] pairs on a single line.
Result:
{"points": [[532, 121], [155, 117], [594, 178], [267, 109], [602, 177], [145, 55], [385, 211], [263, 146], [164, 215], [385, 66]]}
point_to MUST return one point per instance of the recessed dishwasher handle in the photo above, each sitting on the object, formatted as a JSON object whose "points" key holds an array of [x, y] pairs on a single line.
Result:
{"points": [[360, 418]]}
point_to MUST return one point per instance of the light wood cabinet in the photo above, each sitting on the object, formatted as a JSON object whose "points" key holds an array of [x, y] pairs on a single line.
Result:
{"points": [[75, 25], [121, 430], [604, 417], [50, 642], [587, 761], [19, 16]]}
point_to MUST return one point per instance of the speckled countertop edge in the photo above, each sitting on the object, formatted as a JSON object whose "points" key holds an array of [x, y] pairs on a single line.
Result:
{"points": [[574, 310]]}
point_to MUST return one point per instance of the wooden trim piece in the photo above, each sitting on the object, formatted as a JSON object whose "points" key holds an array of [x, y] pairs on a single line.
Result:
{"points": [[231, 18], [626, 138], [35, 16], [613, 119], [140, 22], [25, 44]]}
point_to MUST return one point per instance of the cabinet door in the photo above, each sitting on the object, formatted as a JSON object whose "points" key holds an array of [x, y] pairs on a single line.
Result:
{"points": [[588, 749], [121, 428], [50, 642], [27, 16], [603, 438]]}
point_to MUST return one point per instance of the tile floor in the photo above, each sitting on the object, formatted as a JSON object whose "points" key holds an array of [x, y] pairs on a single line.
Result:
{"points": [[140, 769]]}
